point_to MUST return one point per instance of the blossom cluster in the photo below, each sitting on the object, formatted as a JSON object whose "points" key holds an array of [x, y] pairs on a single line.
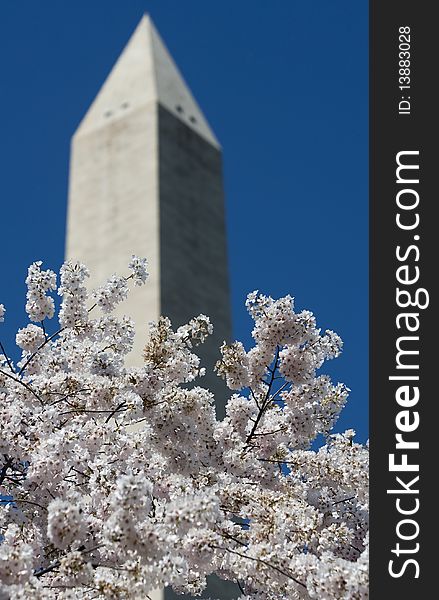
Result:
{"points": [[39, 306], [138, 270], [116, 480], [74, 294]]}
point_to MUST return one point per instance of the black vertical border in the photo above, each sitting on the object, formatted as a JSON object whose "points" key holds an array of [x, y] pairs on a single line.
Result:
{"points": [[389, 134]]}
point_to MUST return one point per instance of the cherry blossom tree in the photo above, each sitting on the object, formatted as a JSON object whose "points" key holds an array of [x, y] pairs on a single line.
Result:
{"points": [[117, 480]]}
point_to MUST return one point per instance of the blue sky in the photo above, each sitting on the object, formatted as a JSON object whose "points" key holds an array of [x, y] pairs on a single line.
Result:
{"points": [[284, 86]]}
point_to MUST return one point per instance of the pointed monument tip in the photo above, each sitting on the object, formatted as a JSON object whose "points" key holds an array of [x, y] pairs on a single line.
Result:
{"points": [[145, 18], [146, 72], [145, 23]]}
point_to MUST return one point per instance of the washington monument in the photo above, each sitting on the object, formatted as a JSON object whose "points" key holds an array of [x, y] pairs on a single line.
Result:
{"points": [[146, 179]]}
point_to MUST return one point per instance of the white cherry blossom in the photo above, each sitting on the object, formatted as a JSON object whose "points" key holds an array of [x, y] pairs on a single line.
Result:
{"points": [[117, 480]]}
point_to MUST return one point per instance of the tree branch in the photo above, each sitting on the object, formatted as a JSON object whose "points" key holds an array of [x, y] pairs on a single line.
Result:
{"points": [[266, 399], [7, 357], [262, 562], [24, 384]]}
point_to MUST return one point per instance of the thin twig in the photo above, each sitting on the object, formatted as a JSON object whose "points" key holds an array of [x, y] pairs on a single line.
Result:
{"points": [[84, 410], [7, 357], [15, 500], [21, 382], [282, 387], [263, 562], [240, 587], [49, 569], [266, 399], [116, 410], [344, 500], [40, 347], [4, 469]]}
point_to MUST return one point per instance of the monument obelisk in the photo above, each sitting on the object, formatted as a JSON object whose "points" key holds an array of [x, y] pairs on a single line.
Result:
{"points": [[146, 179]]}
